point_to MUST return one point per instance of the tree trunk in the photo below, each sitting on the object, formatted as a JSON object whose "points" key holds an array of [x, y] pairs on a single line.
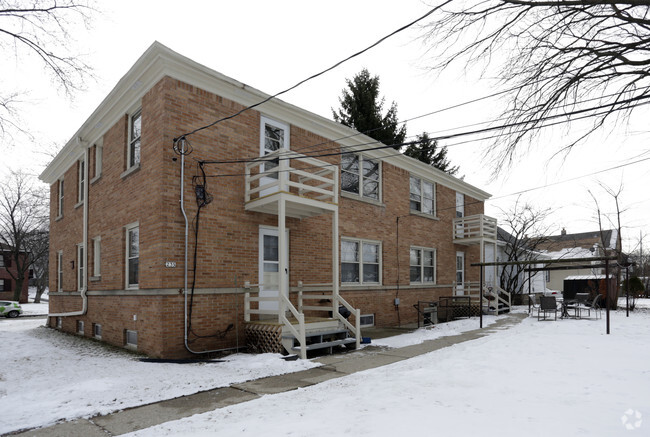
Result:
{"points": [[40, 289], [19, 289]]}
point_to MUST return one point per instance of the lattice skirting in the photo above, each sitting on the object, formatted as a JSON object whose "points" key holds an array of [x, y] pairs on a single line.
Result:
{"points": [[264, 338]]}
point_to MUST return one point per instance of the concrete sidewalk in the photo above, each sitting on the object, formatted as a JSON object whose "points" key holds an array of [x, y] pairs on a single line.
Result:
{"points": [[333, 366]]}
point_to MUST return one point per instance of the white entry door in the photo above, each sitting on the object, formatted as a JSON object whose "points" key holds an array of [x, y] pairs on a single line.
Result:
{"points": [[460, 273], [269, 266]]}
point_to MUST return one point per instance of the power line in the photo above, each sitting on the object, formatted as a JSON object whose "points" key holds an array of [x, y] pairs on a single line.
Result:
{"points": [[395, 32]]}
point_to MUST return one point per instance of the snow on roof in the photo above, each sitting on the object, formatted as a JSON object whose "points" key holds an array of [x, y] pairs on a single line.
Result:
{"points": [[569, 253], [583, 277]]}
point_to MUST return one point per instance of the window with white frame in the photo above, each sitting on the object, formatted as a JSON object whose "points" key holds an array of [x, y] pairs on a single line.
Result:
{"points": [[2, 260], [59, 270], [82, 180], [60, 203], [135, 131], [80, 266], [97, 250], [360, 175], [422, 265], [360, 261], [422, 196], [98, 161], [274, 136], [97, 330], [132, 255], [80, 327]]}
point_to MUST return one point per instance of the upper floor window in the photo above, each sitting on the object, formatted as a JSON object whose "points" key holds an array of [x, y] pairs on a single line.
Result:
{"points": [[60, 203], [422, 196], [82, 180], [132, 256], [135, 131], [360, 261], [422, 265], [360, 175], [2, 260], [274, 135]]}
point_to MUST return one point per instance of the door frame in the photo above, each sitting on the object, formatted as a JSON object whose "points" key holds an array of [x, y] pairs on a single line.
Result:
{"points": [[265, 292], [460, 289]]}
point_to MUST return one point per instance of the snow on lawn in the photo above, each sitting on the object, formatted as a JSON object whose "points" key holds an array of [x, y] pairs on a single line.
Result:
{"points": [[437, 331], [35, 309], [562, 377], [46, 375]]}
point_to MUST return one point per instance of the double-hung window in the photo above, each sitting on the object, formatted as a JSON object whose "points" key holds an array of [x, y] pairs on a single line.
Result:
{"points": [[59, 271], [274, 136], [360, 175], [60, 203], [422, 196], [360, 261], [97, 250], [132, 255], [81, 266], [422, 265], [82, 181], [135, 131]]}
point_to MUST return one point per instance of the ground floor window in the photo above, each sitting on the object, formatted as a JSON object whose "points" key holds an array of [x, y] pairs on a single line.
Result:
{"points": [[422, 265], [132, 255], [360, 261]]}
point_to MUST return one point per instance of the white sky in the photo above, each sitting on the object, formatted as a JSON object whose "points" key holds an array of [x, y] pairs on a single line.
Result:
{"points": [[273, 45]]}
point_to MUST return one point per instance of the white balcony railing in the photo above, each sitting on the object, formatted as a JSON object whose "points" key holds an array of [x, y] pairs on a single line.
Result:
{"points": [[474, 227], [290, 172]]}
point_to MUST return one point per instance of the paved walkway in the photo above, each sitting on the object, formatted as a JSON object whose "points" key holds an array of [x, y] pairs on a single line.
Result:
{"points": [[333, 366]]}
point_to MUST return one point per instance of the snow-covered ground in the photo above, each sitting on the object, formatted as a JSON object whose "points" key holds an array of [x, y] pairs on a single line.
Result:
{"points": [[564, 378], [63, 376]]}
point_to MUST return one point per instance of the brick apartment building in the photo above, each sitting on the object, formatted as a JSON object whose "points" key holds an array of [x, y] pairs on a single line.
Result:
{"points": [[371, 229], [9, 270]]}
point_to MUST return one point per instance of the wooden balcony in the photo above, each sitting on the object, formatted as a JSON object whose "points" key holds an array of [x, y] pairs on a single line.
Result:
{"points": [[474, 229], [308, 186]]}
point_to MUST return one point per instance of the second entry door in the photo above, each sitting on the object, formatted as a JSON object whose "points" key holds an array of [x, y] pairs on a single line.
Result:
{"points": [[269, 266]]}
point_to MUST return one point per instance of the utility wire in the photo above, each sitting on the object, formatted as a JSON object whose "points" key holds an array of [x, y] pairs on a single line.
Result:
{"points": [[395, 32]]}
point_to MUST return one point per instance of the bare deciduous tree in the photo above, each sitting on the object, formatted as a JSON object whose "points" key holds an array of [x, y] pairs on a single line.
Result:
{"points": [[41, 28], [527, 233], [23, 225], [560, 60]]}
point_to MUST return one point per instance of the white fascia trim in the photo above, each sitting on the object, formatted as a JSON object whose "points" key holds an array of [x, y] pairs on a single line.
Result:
{"points": [[159, 61]]}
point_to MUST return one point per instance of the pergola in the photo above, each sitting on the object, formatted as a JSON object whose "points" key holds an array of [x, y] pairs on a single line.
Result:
{"points": [[553, 264]]}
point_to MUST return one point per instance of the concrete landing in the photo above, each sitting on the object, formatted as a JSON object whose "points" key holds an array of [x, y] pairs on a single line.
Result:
{"points": [[333, 366]]}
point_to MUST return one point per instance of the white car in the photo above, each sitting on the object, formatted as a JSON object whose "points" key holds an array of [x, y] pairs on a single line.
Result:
{"points": [[10, 308]]}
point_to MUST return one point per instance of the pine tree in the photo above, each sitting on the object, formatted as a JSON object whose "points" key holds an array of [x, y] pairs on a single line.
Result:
{"points": [[361, 109], [426, 150]]}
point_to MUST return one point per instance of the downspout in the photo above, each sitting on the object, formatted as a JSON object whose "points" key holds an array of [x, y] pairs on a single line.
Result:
{"points": [[84, 285]]}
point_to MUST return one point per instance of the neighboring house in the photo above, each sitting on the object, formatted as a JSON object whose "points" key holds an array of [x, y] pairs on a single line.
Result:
{"points": [[7, 282], [515, 279], [576, 246], [281, 241]]}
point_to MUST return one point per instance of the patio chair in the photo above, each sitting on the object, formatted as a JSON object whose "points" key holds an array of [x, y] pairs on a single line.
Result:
{"points": [[547, 305], [594, 306], [577, 305]]}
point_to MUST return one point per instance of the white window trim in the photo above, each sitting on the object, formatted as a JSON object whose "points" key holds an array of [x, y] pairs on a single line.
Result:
{"points": [[81, 266], [81, 181], [97, 327], [128, 228], [126, 338], [361, 242], [360, 195], [435, 262], [98, 162], [435, 200], [97, 257], [130, 141], [61, 190], [264, 120], [59, 271], [80, 327]]}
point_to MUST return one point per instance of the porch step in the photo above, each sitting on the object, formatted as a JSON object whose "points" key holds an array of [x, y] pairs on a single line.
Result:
{"points": [[323, 339]]}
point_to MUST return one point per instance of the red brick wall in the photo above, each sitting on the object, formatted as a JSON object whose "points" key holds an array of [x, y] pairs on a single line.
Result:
{"points": [[228, 235], [10, 268]]}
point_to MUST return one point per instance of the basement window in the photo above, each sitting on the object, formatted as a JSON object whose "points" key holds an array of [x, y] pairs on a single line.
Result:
{"points": [[80, 327], [131, 339], [97, 330], [59, 322], [367, 320]]}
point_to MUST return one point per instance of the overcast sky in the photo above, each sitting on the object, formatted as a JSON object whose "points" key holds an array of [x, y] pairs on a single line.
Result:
{"points": [[273, 45]]}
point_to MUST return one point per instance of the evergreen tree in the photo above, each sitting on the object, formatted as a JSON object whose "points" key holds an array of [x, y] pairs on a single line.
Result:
{"points": [[361, 109], [426, 150]]}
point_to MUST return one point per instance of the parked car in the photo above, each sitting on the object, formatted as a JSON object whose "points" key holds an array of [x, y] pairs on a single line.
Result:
{"points": [[10, 308]]}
